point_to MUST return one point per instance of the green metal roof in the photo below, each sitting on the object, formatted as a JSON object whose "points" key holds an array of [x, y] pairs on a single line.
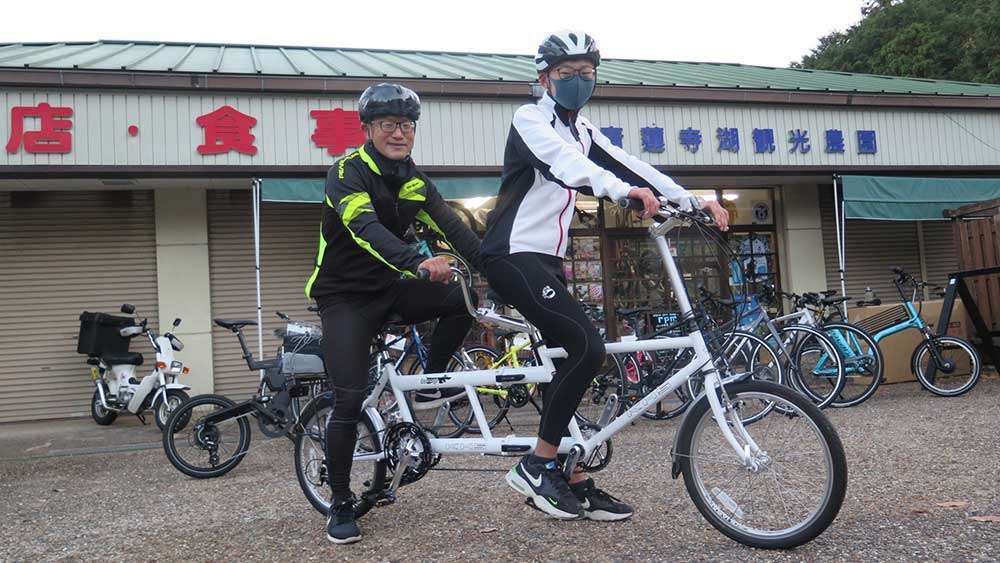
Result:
{"points": [[144, 56]]}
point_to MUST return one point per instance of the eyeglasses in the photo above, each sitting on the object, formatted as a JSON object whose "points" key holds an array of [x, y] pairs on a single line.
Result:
{"points": [[586, 73], [390, 126]]}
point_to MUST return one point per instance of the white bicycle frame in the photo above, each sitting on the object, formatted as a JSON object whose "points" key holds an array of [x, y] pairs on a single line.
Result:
{"points": [[487, 443]]}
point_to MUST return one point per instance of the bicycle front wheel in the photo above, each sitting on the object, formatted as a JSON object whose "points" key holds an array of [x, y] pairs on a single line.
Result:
{"points": [[791, 489], [816, 366], [953, 372], [863, 363], [311, 468]]}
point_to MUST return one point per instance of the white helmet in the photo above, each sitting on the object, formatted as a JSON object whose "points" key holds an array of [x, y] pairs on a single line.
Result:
{"points": [[564, 45]]}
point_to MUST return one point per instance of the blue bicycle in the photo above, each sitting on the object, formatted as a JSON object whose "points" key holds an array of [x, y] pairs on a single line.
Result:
{"points": [[947, 366]]}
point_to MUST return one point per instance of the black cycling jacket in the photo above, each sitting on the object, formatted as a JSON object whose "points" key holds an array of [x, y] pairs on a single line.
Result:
{"points": [[370, 203]]}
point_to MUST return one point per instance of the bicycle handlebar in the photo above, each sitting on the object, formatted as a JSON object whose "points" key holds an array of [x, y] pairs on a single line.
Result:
{"points": [[670, 209]]}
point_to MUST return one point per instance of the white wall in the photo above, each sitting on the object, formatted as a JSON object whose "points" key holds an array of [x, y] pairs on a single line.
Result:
{"points": [[472, 132], [183, 279], [804, 265]]}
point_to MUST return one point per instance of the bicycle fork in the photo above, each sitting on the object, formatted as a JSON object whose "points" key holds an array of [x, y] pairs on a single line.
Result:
{"points": [[750, 454]]}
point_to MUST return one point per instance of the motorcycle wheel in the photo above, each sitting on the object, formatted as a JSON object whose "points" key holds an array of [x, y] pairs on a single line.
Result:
{"points": [[101, 415], [163, 409]]}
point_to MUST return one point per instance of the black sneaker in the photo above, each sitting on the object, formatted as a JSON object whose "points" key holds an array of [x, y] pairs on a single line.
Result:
{"points": [[341, 526], [545, 485], [433, 398], [599, 505]]}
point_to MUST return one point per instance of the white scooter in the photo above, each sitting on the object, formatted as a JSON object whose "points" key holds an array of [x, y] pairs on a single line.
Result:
{"points": [[105, 339]]}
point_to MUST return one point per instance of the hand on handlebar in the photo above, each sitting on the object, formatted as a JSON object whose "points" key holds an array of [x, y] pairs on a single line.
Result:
{"points": [[650, 203], [718, 213], [438, 269]]}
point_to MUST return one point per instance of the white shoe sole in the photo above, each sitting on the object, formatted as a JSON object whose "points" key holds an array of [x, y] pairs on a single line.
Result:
{"points": [[605, 516], [339, 541], [518, 483]]}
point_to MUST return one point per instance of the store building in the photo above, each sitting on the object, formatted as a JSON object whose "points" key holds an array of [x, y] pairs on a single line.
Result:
{"points": [[127, 170]]}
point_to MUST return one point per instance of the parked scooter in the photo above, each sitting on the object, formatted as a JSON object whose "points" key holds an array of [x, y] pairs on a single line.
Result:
{"points": [[105, 339]]}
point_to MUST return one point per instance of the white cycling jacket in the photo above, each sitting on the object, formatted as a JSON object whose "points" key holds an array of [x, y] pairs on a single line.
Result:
{"points": [[550, 156]]}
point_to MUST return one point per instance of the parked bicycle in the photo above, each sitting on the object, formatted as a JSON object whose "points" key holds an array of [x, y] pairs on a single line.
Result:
{"points": [[790, 343], [209, 435], [947, 366], [739, 476]]}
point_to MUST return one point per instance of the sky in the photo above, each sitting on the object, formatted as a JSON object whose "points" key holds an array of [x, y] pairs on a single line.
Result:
{"points": [[758, 32]]}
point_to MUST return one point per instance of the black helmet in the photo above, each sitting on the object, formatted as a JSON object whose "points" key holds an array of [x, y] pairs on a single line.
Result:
{"points": [[564, 45], [380, 100]]}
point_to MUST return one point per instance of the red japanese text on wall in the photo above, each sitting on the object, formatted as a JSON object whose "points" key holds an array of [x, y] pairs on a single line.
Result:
{"points": [[45, 129], [337, 129], [227, 129], [53, 135]]}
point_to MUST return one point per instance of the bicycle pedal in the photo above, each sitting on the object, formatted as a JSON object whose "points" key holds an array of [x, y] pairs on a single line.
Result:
{"points": [[386, 500]]}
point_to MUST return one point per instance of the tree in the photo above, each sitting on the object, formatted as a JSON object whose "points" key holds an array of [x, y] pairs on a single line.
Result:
{"points": [[939, 39]]}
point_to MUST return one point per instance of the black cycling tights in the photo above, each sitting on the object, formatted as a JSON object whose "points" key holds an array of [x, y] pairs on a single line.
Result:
{"points": [[349, 325], [535, 285]]}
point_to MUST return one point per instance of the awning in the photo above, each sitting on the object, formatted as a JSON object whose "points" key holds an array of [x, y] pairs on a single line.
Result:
{"points": [[308, 190], [912, 199]]}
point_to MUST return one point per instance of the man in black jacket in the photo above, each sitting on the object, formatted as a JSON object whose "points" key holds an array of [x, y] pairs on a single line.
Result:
{"points": [[365, 273]]}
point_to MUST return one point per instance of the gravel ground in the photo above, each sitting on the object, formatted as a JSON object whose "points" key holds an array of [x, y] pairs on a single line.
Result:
{"points": [[907, 452]]}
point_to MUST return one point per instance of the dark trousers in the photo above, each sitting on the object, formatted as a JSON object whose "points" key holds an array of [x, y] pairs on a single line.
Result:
{"points": [[350, 322], [535, 285]]}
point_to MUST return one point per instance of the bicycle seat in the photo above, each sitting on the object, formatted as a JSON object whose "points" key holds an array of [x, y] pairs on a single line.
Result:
{"points": [[234, 325], [835, 300], [124, 358], [632, 312]]}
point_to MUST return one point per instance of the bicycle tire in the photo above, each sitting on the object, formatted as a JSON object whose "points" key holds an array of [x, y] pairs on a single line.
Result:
{"points": [[310, 456], [202, 437], [609, 379], [858, 388], [820, 389], [722, 500], [922, 352], [747, 356], [675, 404], [495, 406], [433, 420]]}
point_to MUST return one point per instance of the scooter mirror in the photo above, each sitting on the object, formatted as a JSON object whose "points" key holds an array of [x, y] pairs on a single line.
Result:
{"points": [[177, 322], [128, 309]]}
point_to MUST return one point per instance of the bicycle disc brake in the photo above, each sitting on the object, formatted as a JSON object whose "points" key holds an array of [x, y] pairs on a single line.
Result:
{"points": [[407, 439], [601, 456]]}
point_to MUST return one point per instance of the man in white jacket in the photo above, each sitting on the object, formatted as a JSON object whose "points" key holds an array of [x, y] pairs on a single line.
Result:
{"points": [[552, 154]]}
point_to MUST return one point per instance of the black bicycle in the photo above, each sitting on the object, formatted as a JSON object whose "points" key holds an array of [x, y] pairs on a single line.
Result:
{"points": [[209, 435]]}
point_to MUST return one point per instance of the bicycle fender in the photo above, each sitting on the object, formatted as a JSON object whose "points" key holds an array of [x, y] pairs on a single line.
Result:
{"points": [[180, 386]]}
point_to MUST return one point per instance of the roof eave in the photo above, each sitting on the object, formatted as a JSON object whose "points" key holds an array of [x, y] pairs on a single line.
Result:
{"points": [[180, 81]]}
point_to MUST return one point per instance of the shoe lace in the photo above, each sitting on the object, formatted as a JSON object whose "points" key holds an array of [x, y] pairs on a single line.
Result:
{"points": [[558, 480], [603, 495]]}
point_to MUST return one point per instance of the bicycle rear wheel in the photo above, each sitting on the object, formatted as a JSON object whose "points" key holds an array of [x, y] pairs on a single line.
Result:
{"points": [[863, 363], [205, 450], [795, 484], [960, 370], [310, 456]]}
